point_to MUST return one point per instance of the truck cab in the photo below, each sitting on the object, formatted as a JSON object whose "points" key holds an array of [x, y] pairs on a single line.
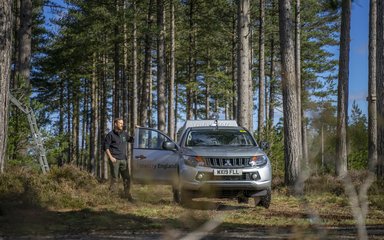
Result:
{"points": [[213, 158]]}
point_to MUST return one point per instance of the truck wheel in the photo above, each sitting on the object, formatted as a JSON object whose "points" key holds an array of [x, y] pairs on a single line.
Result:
{"points": [[242, 199], [265, 201], [175, 192], [182, 196]]}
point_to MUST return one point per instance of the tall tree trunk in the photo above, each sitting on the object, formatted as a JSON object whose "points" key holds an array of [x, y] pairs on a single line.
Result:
{"points": [[150, 101], [5, 73], [102, 160], [207, 107], [234, 67], [207, 89], [135, 90], [116, 62], [176, 111], [126, 84], [243, 64], [171, 89], [292, 138], [60, 160], [272, 80], [191, 61], [342, 98], [75, 127], [145, 89], [94, 134], [380, 89], [372, 111], [272, 83], [261, 115], [84, 128], [300, 84], [69, 119], [161, 99], [25, 40], [15, 43]]}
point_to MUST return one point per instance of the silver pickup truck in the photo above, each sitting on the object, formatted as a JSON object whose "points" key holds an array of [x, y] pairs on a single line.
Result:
{"points": [[213, 158]]}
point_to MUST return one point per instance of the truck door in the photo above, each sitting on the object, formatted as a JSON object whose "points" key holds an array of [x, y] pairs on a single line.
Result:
{"points": [[151, 163]]}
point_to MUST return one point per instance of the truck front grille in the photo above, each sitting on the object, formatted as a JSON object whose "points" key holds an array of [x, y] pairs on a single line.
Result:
{"points": [[227, 162]]}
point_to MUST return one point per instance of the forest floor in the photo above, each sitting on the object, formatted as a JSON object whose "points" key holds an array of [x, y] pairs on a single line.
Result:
{"points": [[154, 215]]}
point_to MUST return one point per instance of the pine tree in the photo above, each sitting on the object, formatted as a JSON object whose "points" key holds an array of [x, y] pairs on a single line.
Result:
{"points": [[342, 103], [5, 65], [292, 139]]}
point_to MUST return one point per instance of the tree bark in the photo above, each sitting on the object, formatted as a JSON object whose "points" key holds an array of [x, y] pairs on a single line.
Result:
{"points": [[191, 62], [292, 138], [94, 134], [272, 83], [261, 115], [60, 160], [69, 120], [102, 160], [161, 67], [272, 80], [171, 89], [116, 63], [5, 73], [25, 40], [134, 107], [372, 111], [300, 85], [145, 88], [234, 67], [380, 89], [243, 64], [75, 126], [342, 99], [126, 86]]}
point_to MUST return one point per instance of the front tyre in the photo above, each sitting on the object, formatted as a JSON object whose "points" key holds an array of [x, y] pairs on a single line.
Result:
{"points": [[265, 201], [181, 196]]}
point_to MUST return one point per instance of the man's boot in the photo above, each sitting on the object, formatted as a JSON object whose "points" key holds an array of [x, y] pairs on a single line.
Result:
{"points": [[113, 186], [127, 190]]}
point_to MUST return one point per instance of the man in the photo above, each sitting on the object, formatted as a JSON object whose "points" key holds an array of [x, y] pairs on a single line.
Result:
{"points": [[116, 148]]}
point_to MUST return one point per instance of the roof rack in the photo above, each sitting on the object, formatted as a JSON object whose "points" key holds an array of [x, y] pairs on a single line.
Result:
{"points": [[208, 123]]}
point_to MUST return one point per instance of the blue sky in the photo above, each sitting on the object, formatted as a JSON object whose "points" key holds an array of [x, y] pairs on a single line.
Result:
{"points": [[358, 66]]}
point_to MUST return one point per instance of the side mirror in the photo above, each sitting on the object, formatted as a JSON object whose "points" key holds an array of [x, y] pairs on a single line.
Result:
{"points": [[168, 145], [264, 145]]}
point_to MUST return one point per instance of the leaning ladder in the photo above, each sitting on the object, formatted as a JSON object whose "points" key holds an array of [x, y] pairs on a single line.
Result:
{"points": [[36, 135]]}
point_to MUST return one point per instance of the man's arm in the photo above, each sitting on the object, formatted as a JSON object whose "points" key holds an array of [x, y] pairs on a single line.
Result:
{"points": [[107, 143]]}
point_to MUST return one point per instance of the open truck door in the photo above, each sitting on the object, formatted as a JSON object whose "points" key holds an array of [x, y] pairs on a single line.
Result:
{"points": [[155, 158]]}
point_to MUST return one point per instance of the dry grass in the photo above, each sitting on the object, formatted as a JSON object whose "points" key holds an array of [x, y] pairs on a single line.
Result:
{"points": [[71, 200]]}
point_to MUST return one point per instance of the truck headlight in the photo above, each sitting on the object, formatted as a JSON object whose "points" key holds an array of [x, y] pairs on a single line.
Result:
{"points": [[194, 161], [258, 161]]}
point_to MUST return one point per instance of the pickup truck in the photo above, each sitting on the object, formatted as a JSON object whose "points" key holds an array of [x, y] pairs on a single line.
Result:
{"points": [[213, 158]]}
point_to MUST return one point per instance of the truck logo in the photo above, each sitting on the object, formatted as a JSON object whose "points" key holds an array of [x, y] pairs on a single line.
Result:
{"points": [[227, 162]]}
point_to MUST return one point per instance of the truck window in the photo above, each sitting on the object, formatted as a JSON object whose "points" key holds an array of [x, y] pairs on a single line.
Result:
{"points": [[149, 139], [221, 137]]}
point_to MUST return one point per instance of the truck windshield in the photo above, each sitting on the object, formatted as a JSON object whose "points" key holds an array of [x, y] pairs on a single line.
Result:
{"points": [[219, 137]]}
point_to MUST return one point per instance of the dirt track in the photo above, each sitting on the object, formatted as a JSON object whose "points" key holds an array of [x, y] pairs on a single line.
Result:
{"points": [[374, 232]]}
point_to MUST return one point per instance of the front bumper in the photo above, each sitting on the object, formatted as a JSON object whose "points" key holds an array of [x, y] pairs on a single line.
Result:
{"points": [[189, 180]]}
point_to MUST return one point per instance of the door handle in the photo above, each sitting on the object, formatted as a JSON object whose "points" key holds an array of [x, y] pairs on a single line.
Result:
{"points": [[140, 157]]}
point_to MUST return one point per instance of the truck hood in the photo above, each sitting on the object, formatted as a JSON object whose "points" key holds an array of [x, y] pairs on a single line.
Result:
{"points": [[223, 151]]}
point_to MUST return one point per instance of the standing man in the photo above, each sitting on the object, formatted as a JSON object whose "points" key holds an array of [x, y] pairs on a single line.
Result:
{"points": [[115, 146]]}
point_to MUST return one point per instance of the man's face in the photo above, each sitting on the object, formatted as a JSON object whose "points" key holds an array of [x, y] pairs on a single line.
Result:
{"points": [[119, 125]]}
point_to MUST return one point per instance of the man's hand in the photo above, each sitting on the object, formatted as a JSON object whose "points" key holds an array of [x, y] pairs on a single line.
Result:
{"points": [[110, 156]]}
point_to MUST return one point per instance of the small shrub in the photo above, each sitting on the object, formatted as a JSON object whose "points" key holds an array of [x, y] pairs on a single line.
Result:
{"points": [[65, 187]]}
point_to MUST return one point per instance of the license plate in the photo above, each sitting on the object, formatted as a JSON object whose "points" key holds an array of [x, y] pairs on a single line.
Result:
{"points": [[227, 172]]}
